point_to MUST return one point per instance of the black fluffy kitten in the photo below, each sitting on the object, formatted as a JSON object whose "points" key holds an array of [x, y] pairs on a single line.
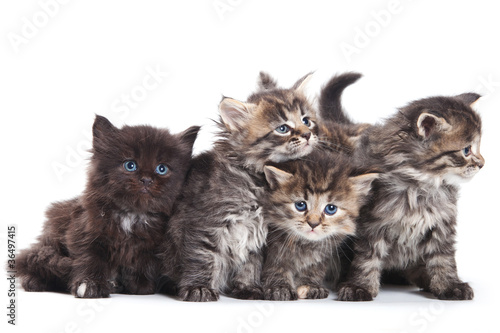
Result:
{"points": [[107, 239]]}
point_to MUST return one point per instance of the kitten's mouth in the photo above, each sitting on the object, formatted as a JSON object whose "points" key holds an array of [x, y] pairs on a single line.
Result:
{"points": [[145, 190]]}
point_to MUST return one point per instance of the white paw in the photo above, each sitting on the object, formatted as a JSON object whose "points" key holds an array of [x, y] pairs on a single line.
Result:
{"points": [[302, 291], [80, 292]]}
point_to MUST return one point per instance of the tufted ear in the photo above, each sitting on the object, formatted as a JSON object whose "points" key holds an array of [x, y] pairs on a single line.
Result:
{"points": [[301, 84], [266, 82], [428, 124], [363, 183], [189, 135], [468, 98], [103, 131], [235, 114], [276, 177]]}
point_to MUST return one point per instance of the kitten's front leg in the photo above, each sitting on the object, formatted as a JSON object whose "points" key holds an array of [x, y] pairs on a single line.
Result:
{"points": [[246, 283], [197, 282], [278, 284], [363, 282], [311, 282], [90, 274], [441, 268]]}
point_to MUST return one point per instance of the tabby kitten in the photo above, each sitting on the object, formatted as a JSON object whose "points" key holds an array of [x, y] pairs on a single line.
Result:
{"points": [[218, 230], [106, 238], [425, 150], [311, 208], [333, 135]]}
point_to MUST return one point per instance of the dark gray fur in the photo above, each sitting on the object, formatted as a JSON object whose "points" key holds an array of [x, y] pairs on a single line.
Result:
{"points": [[409, 226], [218, 231]]}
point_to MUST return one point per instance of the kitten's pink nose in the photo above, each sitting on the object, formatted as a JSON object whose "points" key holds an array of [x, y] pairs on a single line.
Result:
{"points": [[146, 181], [306, 135], [313, 224]]}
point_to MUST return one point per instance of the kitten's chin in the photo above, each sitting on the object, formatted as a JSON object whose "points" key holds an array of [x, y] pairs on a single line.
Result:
{"points": [[454, 179], [292, 155], [313, 235]]}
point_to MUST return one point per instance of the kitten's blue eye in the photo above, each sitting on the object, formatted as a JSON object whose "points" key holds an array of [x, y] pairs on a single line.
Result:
{"points": [[161, 169], [330, 209], [466, 151], [130, 166], [306, 121], [301, 206], [283, 129]]}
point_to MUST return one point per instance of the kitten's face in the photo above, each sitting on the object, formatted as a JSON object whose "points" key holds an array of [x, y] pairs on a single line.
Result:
{"points": [[274, 125], [451, 133], [140, 168], [317, 199], [281, 128]]}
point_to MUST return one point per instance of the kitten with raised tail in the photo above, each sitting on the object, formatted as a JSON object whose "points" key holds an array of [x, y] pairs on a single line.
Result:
{"points": [[218, 229], [107, 239], [311, 208], [408, 228]]}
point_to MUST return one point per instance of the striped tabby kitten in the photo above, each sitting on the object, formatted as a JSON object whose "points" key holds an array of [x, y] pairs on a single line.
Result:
{"points": [[218, 230], [408, 228], [311, 208]]}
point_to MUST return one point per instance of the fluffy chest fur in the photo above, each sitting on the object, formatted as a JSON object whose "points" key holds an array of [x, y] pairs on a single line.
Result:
{"points": [[240, 228], [221, 208], [405, 214], [132, 235], [131, 220]]}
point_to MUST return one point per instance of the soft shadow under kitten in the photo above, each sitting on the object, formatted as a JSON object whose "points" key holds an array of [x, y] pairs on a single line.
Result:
{"points": [[311, 209], [106, 240]]}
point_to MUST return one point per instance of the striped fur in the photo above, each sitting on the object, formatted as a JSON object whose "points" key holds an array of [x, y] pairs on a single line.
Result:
{"points": [[218, 230], [300, 243], [425, 151]]}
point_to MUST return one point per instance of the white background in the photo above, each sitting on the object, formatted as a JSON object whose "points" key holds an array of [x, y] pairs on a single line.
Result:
{"points": [[58, 70]]}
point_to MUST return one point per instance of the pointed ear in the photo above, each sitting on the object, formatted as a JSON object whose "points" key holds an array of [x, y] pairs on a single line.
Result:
{"points": [[468, 98], [235, 114], [266, 82], [102, 128], [276, 177], [362, 184], [189, 136], [428, 124], [301, 84]]}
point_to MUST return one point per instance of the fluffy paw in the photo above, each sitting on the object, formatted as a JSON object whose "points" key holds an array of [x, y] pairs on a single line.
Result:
{"points": [[457, 292], [198, 294], [33, 283], [90, 289], [352, 293], [242, 291], [280, 293], [312, 292]]}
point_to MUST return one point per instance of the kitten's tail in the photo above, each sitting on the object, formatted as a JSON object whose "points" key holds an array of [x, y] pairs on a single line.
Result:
{"points": [[329, 102]]}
